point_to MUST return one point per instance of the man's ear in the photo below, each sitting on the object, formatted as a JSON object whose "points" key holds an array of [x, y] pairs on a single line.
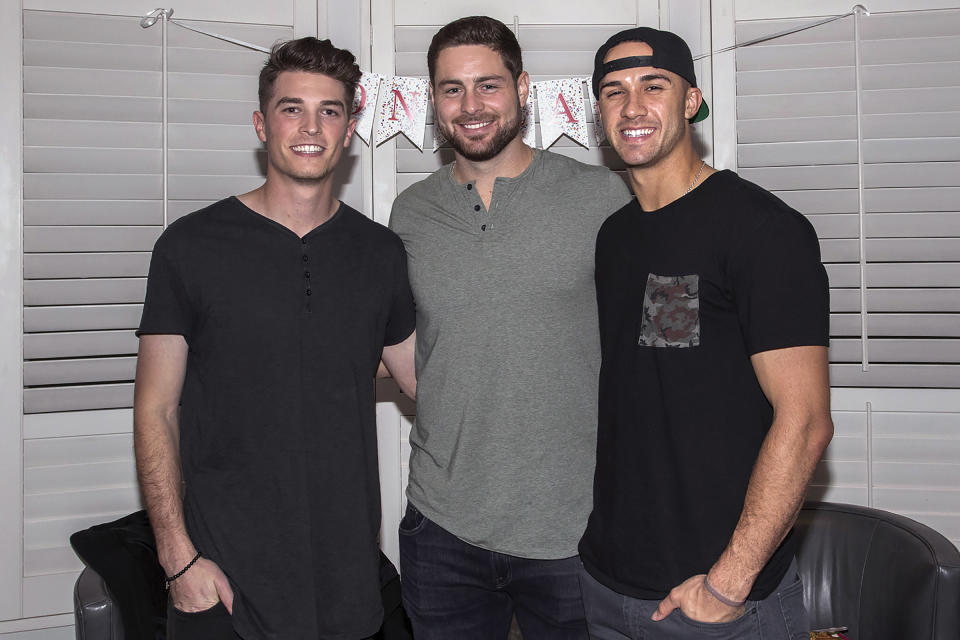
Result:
{"points": [[523, 88], [692, 102], [351, 127], [259, 124]]}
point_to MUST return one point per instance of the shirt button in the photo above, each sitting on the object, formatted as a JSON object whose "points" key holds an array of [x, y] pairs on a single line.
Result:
{"points": [[309, 292], [483, 227], [306, 274], [469, 187], [476, 207], [306, 259], [303, 241]]}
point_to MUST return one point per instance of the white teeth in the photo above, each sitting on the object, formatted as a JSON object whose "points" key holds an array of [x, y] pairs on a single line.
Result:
{"points": [[475, 125], [308, 148], [636, 133]]}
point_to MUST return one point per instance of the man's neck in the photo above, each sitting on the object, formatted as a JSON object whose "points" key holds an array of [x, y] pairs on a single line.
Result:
{"points": [[509, 163], [671, 178], [300, 207]]}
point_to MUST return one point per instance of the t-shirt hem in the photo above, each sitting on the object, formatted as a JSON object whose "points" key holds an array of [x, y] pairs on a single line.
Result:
{"points": [[441, 521], [619, 587], [787, 343]]}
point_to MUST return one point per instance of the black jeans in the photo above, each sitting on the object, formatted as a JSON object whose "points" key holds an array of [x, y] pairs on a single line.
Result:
{"points": [[453, 590]]}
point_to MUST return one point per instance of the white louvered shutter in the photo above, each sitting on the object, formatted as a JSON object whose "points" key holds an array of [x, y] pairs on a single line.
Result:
{"points": [[897, 440], [93, 207]]}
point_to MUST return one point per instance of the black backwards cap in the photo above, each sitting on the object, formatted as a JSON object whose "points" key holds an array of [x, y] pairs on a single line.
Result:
{"points": [[670, 52]]}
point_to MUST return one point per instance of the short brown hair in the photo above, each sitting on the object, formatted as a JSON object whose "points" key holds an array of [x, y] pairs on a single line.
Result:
{"points": [[477, 30], [313, 56]]}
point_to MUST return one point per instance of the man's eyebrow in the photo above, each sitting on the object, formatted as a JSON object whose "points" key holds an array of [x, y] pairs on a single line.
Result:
{"points": [[655, 76], [483, 79], [323, 103]]}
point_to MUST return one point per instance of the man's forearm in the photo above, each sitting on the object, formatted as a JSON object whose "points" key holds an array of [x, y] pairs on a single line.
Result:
{"points": [[156, 444], [774, 496]]}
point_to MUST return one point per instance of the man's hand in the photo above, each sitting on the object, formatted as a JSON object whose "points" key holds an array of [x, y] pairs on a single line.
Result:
{"points": [[201, 588], [693, 599]]}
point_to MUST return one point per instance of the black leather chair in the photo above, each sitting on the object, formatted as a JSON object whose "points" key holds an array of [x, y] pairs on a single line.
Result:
{"points": [[878, 573]]}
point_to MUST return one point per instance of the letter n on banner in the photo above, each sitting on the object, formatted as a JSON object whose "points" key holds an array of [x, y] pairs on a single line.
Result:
{"points": [[402, 109]]}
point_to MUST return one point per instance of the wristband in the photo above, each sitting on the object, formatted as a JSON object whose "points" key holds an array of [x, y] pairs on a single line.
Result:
{"points": [[719, 596], [169, 579]]}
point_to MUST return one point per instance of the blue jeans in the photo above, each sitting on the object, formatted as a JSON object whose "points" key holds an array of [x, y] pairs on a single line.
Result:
{"points": [[612, 616], [453, 590]]}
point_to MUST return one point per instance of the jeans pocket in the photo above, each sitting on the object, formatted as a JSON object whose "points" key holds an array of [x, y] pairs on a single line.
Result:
{"points": [[413, 521], [742, 628], [793, 610]]}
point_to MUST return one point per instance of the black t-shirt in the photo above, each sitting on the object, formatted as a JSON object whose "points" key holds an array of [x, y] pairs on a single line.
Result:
{"points": [[278, 438], [686, 295]]}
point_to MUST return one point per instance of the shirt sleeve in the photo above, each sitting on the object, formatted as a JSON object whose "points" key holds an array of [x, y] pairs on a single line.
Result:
{"points": [[166, 307], [780, 286], [402, 319]]}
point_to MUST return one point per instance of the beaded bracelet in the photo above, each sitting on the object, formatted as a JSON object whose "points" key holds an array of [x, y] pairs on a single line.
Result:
{"points": [[170, 579], [719, 596]]}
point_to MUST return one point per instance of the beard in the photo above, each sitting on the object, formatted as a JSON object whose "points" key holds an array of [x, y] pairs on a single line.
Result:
{"points": [[477, 151]]}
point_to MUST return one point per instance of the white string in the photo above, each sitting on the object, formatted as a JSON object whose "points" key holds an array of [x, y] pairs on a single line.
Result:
{"points": [[151, 19], [857, 9]]}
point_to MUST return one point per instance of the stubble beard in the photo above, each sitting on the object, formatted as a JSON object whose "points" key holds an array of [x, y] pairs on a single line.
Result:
{"points": [[505, 134]]}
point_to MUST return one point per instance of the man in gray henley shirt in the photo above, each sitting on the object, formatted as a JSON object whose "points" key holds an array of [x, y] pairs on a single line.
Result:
{"points": [[500, 249]]}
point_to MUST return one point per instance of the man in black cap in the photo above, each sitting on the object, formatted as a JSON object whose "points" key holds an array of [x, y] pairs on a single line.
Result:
{"points": [[714, 398]]}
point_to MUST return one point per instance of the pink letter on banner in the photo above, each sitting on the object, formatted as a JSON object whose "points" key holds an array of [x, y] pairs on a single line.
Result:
{"points": [[403, 109]]}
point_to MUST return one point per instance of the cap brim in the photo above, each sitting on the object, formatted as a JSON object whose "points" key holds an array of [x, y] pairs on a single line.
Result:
{"points": [[701, 113]]}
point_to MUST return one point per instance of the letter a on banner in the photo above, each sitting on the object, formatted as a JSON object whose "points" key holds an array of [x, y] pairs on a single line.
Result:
{"points": [[365, 104], [560, 103], [403, 109]]}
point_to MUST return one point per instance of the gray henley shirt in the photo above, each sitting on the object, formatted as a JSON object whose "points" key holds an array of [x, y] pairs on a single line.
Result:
{"points": [[508, 352]]}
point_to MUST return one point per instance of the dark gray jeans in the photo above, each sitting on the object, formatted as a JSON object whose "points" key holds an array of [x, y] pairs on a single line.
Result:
{"points": [[612, 616]]}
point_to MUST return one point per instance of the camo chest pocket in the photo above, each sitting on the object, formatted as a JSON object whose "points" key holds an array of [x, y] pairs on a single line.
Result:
{"points": [[671, 311]]}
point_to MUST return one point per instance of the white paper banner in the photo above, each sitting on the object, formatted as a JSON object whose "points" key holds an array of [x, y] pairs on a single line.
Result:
{"points": [[365, 104], [402, 108], [598, 135], [528, 126], [560, 103]]}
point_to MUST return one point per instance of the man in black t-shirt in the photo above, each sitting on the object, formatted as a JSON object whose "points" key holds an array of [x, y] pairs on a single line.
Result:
{"points": [[265, 318], [714, 398]]}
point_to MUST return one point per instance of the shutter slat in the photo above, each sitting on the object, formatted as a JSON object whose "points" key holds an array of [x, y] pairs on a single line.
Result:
{"points": [[77, 398], [78, 344], [86, 161], [97, 239], [60, 372], [92, 186], [906, 376], [898, 324], [908, 350], [85, 265], [92, 212], [82, 318], [95, 291]]}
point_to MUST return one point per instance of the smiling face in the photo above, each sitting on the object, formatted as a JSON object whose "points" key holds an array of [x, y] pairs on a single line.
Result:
{"points": [[305, 126], [476, 101], [644, 110]]}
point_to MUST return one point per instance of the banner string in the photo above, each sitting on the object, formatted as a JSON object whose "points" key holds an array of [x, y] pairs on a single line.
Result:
{"points": [[167, 16], [857, 10], [151, 19]]}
